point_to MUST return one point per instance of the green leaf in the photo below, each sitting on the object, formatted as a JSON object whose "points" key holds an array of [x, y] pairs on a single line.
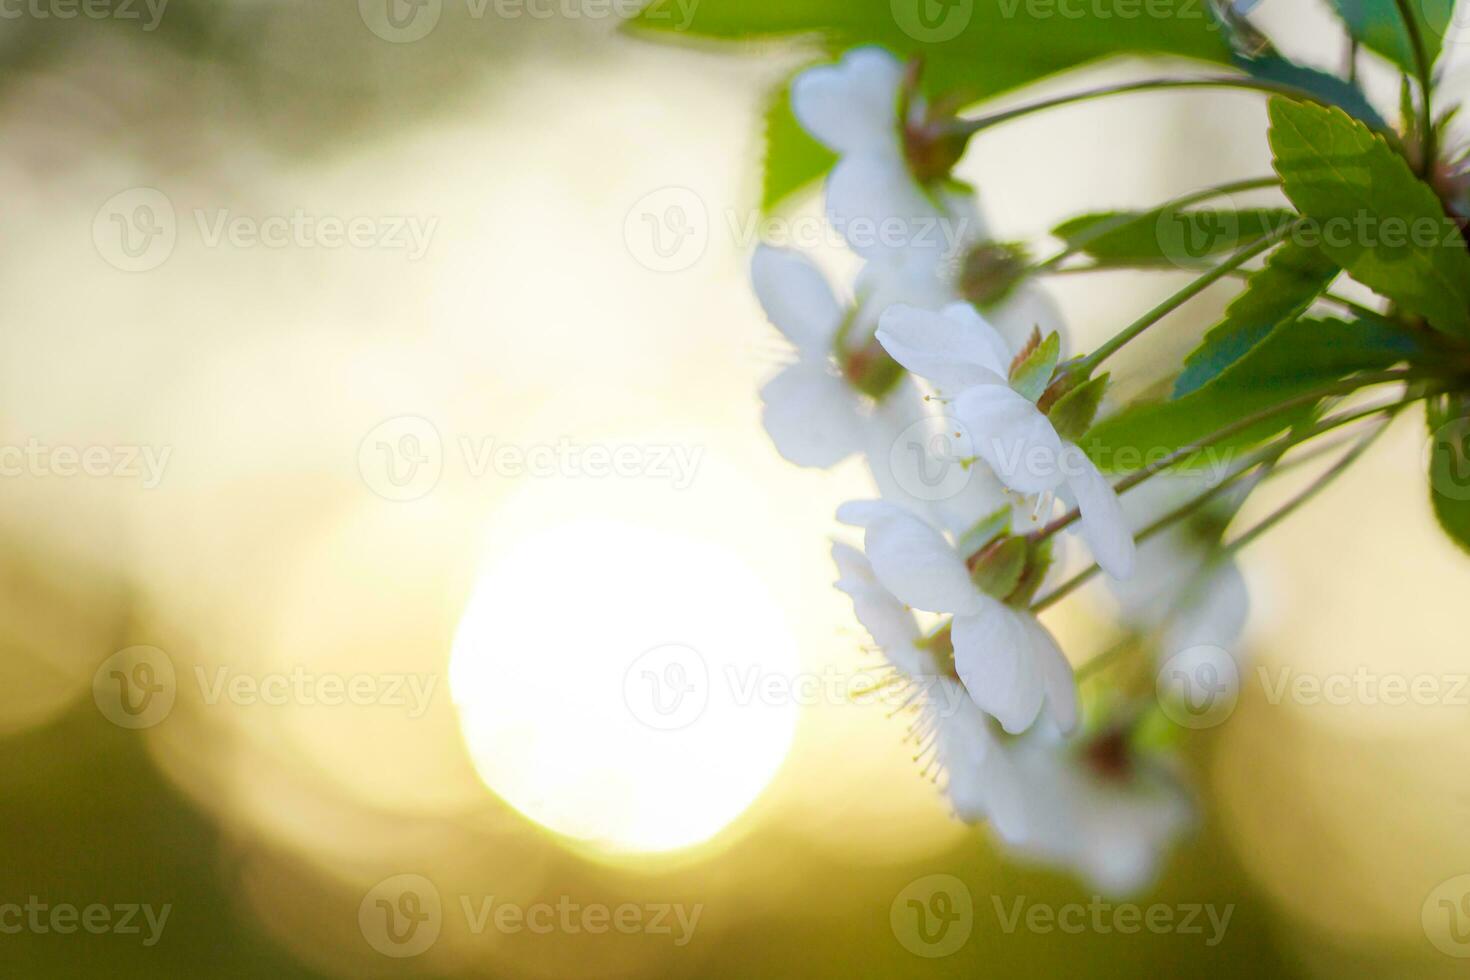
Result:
{"points": [[1281, 290], [1372, 215], [1033, 374], [793, 158], [1167, 235], [978, 50], [1379, 25], [985, 47], [1449, 465], [1073, 413], [1329, 88], [1297, 357]]}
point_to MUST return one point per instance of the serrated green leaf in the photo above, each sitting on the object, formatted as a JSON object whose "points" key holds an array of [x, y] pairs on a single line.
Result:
{"points": [[1281, 290], [1329, 88], [1073, 413], [1379, 25], [1297, 357], [1449, 465], [1372, 215], [1033, 374], [1167, 236]]}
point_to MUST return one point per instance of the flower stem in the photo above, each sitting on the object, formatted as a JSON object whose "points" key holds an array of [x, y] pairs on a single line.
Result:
{"points": [[1327, 296], [1421, 61], [1239, 425], [1267, 456], [1091, 361], [1314, 488], [967, 127], [1102, 228]]}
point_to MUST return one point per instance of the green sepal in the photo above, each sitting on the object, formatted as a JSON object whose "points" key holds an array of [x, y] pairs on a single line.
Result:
{"points": [[1031, 375], [997, 570], [1038, 563], [986, 530], [1073, 413]]}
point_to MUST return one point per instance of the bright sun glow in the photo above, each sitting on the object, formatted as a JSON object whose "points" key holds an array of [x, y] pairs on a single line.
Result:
{"points": [[609, 681]]}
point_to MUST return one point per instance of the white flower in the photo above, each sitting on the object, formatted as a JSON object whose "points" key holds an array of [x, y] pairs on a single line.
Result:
{"points": [[1007, 661], [1091, 804], [873, 198], [952, 732], [813, 414], [965, 357], [813, 409]]}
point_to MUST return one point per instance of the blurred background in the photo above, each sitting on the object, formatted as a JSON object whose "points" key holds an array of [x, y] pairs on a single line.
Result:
{"points": [[381, 446]]}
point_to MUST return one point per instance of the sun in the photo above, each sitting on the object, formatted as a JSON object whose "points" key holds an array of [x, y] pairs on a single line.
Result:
{"points": [[619, 684]]}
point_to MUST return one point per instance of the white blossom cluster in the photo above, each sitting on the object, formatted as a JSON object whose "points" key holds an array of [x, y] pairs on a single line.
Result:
{"points": [[952, 400]]}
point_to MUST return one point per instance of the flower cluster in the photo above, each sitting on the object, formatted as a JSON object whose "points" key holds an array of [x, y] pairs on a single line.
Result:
{"points": [[1010, 474], [920, 375]]}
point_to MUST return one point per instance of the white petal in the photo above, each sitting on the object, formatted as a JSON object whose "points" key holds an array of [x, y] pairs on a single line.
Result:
{"points": [[874, 203], [1056, 674], [900, 277], [997, 355], [796, 298], [917, 564], [1216, 616], [811, 415], [888, 621], [992, 654], [925, 462], [1010, 434], [851, 106], [967, 748], [861, 513], [954, 349], [1103, 524]]}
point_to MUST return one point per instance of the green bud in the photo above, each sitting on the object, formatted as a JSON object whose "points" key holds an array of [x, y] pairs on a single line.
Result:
{"points": [[998, 568], [1032, 370], [990, 272], [1038, 563]]}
